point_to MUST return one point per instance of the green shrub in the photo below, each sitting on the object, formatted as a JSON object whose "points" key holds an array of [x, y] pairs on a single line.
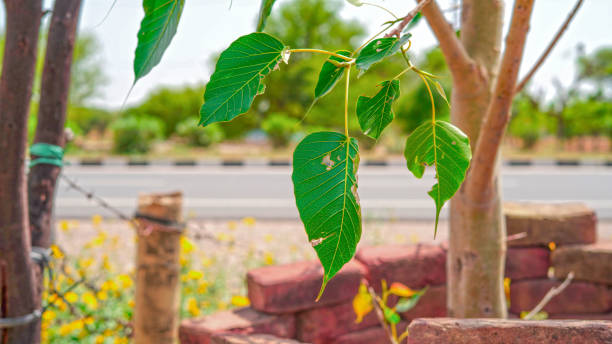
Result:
{"points": [[136, 134], [199, 136], [88, 119], [280, 128]]}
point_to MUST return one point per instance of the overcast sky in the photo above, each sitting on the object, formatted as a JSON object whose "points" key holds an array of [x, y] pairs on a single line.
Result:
{"points": [[209, 26]]}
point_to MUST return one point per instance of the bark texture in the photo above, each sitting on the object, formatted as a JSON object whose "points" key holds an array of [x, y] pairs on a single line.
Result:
{"points": [[16, 278], [52, 115]]}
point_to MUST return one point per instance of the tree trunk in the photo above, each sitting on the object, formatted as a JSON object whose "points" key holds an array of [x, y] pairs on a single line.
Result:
{"points": [[476, 256], [55, 84], [17, 285], [52, 116]]}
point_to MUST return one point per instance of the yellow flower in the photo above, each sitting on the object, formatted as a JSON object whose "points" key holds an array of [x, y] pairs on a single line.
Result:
{"points": [[88, 321], [56, 252], [552, 246], [102, 295], [49, 315], [86, 263], [232, 225], [71, 297], [64, 226], [240, 301], [195, 274], [268, 238], [121, 341], [507, 289], [222, 305], [187, 246], [65, 329], [99, 340], [96, 220], [401, 290], [109, 285], [106, 265], [90, 300], [249, 221], [206, 262], [362, 303], [268, 258], [223, 237], [131, 303], [125, 280], [202, 287], [192, 307]]}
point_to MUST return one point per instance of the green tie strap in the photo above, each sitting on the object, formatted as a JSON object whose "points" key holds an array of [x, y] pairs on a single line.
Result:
{"points": [[47, 154]]}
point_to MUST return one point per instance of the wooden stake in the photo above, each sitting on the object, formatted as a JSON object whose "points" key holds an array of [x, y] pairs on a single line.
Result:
{"points": [[156, 316]]}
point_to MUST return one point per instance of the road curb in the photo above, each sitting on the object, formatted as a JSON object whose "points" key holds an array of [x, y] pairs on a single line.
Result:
{"points": [[285, 163]]}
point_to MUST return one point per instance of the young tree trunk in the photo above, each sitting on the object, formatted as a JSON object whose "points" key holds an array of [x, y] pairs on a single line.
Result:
{"points": [[483, 89], [16, 278], [52, 116], [476, 255], [42, 178]]}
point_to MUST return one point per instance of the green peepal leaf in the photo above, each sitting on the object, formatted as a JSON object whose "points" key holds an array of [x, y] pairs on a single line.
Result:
{"points": [[264, 13], [441, 144], [375, 113], [414, 22], [379, 49], [330, 74], [238, 76], [325, 186], [156, 32]]}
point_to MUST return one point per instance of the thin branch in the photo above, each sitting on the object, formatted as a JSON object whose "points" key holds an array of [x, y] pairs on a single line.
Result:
{"points": [[455, 54], [554, 291], [407, 19], [480, 179], [550, 47], [380, 313]]}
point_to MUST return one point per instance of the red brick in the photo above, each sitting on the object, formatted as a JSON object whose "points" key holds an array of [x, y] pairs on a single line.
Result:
{"points": [[578, 297], [591, 263], [432, 304], [416, 266], [239, 321], [564, 224], [294, 287], [321, 325], [500, 331], [605, 316], [527, 262], [372, 335], [250, 339]]}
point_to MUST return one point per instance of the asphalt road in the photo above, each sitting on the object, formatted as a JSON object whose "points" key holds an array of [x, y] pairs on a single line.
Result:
{"points": [[215, 192]]}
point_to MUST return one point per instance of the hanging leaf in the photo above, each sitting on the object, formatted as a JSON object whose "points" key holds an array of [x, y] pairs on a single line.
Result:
{"points": [[413, 22], [374, 113], [238, 76], [400, 289], [440, 90], [391, 315], [378, 49], [325, 186], [156, 31], [362, 303], [407, 303], [264, 13], [445, 146], [330, 74]]}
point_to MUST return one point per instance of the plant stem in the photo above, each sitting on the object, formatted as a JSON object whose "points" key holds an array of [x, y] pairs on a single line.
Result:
{"points": [[433, 106], [345, 58], [402, 72], [346, 99], [371, 39], [382, 8]]}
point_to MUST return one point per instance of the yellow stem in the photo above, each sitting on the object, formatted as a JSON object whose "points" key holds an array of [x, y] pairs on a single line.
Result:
{"points": [[431, 98], [345, 58], [346, 100]]}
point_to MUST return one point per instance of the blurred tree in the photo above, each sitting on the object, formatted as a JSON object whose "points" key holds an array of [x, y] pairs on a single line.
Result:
{"points": [[597, 68], [170, 106], [87, 75], [528, 121]]}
